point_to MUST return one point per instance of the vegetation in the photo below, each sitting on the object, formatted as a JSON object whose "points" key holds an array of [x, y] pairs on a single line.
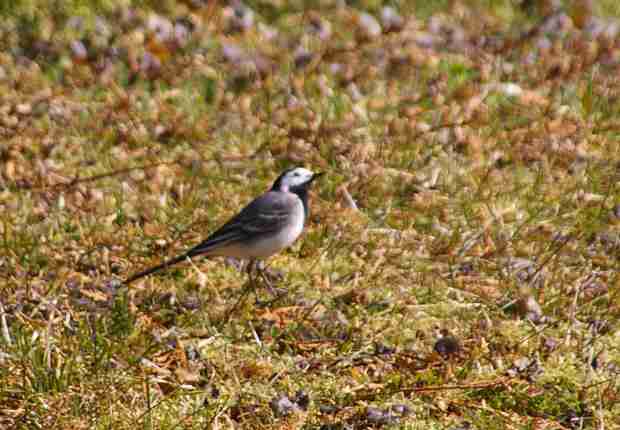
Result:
{"points": [[460, 265]]}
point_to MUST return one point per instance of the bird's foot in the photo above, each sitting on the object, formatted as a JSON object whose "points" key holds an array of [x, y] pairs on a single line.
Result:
{"points": [[268, 278], [273, 290], [273, 275]]}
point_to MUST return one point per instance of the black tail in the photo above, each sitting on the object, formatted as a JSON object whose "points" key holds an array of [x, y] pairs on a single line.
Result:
{"points": [[162, 266]]}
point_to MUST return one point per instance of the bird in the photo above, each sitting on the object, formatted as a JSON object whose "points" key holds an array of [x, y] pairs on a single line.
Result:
{"points": [[267, 225]]}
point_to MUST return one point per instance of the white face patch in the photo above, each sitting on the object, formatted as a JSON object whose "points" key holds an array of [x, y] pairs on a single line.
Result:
{"points": [[296, 177]]}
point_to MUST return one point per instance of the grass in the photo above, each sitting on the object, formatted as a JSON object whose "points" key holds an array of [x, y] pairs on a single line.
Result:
{"points": [[478, 140]]}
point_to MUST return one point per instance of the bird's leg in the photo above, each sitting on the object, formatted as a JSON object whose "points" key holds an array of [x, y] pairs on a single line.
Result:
{"points": [[276, 292], [274, 275], [261, 272], [256, 264], [250, 270], [248, 288]]}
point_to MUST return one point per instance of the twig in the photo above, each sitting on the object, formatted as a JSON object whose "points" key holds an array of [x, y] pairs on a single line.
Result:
{"points": [[5, 327], [480, 385], [528, 35], [48, 339], [573, 309], [532, 277], [147, 388], [449, 302], [246, 291], [347, 197], [153, 406], [545, 326], [255, 335], [409, 390], [441, 126], [77, 180]]}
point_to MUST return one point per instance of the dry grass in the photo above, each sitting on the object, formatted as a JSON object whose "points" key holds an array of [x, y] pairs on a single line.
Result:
{"points": [[460, 267]]}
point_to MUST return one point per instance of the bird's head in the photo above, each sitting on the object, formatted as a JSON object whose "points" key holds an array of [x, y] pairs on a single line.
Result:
{"points": [[295, 179]]}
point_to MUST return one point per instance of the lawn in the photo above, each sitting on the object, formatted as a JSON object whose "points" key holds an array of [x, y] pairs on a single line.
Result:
{"points": [[460, 265]]}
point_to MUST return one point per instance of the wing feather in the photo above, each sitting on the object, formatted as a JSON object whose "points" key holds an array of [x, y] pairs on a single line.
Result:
{"points": [[265, 215]]}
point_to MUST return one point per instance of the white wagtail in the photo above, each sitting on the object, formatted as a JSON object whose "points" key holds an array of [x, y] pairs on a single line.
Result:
{"points": [[270, 223]]}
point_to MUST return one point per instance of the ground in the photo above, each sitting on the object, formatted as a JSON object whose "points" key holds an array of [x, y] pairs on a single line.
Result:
{"points": [[459, 269]]}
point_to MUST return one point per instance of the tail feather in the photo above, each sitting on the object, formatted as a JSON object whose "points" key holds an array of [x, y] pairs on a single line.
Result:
{"points": [[162, 266]]}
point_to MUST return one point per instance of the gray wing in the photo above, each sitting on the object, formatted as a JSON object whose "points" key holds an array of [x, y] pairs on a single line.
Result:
{"points": [[266, 214]]}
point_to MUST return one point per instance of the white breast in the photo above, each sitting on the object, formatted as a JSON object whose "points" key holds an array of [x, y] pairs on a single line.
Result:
{"points": [[270, 244], [273, 244]]}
